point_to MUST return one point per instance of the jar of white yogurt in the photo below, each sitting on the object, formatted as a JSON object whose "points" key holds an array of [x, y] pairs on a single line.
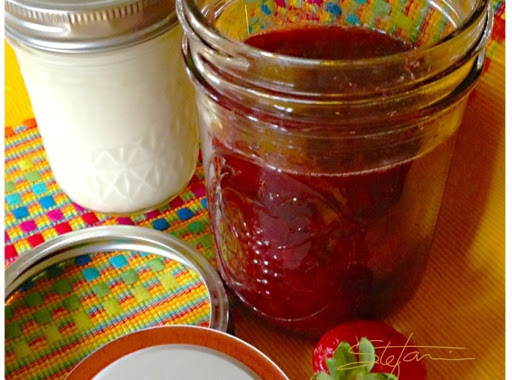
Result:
{"points": [[111, 98]]}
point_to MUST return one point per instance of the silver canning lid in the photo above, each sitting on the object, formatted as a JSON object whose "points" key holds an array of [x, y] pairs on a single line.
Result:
{"points": [[82, 26], [121, 238]]}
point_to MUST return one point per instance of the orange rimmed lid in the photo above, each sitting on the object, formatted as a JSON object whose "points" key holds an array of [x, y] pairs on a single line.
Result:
{"points": [[181, 352]]}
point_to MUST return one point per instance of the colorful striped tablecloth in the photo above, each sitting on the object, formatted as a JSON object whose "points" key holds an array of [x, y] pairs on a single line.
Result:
{"points": [[70, 309], [56, 319]]}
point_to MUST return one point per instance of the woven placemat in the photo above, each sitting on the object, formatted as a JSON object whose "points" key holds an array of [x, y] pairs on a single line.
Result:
{"points": [[56, 319]]}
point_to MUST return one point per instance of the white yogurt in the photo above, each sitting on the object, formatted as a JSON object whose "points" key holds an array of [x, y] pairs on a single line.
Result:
{"points": [[119, 127]]}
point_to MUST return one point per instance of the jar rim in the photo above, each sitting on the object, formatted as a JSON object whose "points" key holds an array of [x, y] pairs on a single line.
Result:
{"points": [[194, 22]]}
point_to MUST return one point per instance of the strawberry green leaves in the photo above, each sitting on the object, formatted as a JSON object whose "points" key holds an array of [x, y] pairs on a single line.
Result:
{"points": [[366, 354], [342, 362], [344, 365]]}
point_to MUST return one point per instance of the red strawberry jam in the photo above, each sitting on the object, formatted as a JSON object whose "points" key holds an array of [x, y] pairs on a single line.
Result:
{"points": [[309, 250]]}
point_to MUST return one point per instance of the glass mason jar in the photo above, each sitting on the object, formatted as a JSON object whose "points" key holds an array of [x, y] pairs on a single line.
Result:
{"points": [[112, 100], [325, 177]]}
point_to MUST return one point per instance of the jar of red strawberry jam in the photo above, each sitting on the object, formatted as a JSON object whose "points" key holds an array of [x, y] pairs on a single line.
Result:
{"points": [[327, 133]]}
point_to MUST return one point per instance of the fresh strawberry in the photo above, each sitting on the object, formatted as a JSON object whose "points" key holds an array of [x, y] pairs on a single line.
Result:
{"points": [[366, 350]]}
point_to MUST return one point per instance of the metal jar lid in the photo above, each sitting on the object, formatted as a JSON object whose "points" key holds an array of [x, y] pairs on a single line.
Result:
{"points": [[90, 25], [121, 238]]}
